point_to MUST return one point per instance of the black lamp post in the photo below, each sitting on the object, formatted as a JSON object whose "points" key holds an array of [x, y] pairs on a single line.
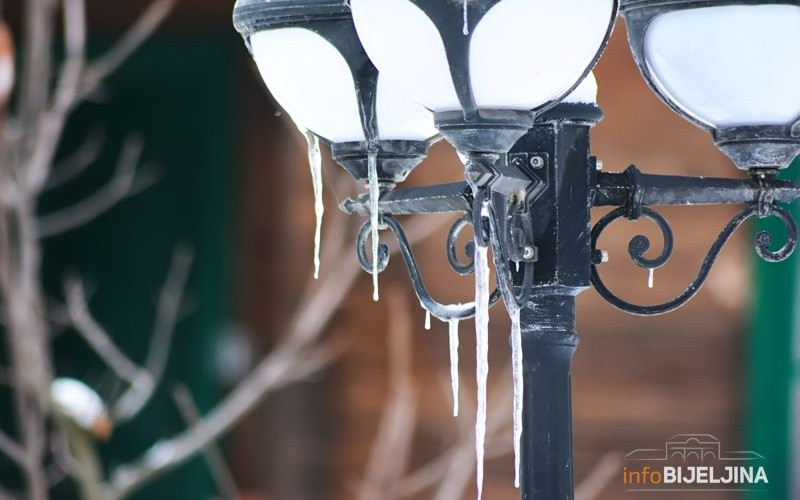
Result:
{"points": [[531, 181]]}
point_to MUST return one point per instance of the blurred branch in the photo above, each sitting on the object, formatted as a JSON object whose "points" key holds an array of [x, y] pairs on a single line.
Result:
{"points": [[168, 309], [597, 480], [137, 34], [453, 468], [94, 334], [392, 447], [11, 449], [278, 369], [123, 184], [77, 162], [213, 456], [51, 122], [47, 94], [5, 495]]}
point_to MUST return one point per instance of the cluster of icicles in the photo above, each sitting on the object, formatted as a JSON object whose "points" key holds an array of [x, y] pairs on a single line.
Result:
{"points": [[482, 294]]}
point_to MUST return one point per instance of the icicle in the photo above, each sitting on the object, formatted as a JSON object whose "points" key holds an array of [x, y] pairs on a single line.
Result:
{"points": [[315, 164], [482, 352], [427, 320], [374, 194], [454, 363], [517, 373], [651, 278], [466, 18]]}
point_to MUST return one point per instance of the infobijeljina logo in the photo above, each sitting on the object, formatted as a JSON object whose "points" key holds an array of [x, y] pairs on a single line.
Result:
{"points": [[694, 462]]}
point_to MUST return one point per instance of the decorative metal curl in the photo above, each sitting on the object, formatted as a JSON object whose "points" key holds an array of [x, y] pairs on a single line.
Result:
{"points": [[364, 250], [640, 244], [462, 268], [444, 312]]}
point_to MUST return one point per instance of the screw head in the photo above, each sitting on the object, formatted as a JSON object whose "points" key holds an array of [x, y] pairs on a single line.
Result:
{"points": [[528, 253], [537, 161]]}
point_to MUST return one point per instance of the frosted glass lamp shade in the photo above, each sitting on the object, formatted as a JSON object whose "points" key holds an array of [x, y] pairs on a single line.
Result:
{"points": [[312, 62], [292, 62], [729, 68], [484, 54], [320, 94]]}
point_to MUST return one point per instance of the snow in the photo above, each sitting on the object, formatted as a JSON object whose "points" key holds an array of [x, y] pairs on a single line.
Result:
{"points": [[453, 324], [315, 164], [466, 18], [374, 194]]}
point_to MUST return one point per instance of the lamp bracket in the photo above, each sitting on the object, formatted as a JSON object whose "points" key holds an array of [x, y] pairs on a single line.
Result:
{"points": [[635, 190]]}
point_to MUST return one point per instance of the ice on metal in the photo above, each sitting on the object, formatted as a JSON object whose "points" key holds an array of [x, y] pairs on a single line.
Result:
{"points": [[427, 320], [374, 195], [517, 373], [453, 324], [482, 353], [315, 165]]}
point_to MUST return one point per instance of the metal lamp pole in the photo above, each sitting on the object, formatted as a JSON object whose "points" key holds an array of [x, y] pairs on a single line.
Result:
{"points": [[563, 185]]}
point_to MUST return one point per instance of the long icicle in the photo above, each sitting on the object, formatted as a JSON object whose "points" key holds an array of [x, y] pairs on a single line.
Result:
{"points": [[374, 195], [315, 164], [519, 381], [453, 323], [482, 351]]}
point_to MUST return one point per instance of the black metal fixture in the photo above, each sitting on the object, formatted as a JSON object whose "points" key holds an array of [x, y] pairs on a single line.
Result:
{"points": [[531, 181]]}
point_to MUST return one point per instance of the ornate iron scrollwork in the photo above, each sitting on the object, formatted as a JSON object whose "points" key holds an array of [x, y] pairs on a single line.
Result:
{"points": [[444, 312], [640, 244]]}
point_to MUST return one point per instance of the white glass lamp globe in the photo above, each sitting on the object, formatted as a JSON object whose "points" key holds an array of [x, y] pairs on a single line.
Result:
{"points": [[313, 82], [730, 65], [727, 66], [522, 54], [310, 58]]}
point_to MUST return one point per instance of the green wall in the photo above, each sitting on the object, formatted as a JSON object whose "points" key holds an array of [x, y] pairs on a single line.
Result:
{"points": [[772, 362]]}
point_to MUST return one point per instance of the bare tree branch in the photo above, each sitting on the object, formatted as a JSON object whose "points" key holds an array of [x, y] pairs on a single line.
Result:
{"points": [[453, 469], [6, 495], [65, 98], [597, 480], [46, 98], [94, 334], [77, 162], [136, 35], [276, 370], [213, 456], [392, 447], [170, 300], [124, 183], [10, 447]]}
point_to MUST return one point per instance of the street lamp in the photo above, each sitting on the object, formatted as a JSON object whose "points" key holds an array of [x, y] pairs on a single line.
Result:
{"points": [[510, 86]]}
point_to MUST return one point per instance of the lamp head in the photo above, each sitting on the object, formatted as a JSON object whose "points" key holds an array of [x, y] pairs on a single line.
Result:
{"points": [[726, 66], [310, 58], [484, 66]]}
